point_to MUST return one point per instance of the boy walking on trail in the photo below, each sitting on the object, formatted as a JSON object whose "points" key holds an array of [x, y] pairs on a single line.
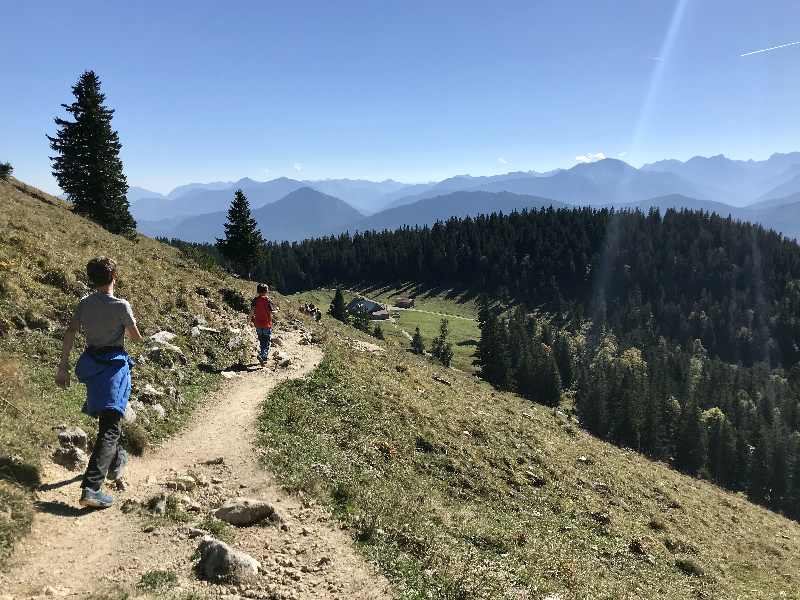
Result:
{"points": [[105, 368], [261, 309]]}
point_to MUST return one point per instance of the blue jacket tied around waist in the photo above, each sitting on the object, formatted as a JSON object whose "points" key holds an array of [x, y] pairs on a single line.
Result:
{"points": [[108, 381]]}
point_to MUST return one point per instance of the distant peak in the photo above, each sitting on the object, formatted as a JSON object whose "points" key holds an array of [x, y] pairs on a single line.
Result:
{"points": [[606, 163], [304, 191]]}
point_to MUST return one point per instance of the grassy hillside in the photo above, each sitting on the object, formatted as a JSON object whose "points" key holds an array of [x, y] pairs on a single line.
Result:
{"points": [[43, 252], [458, 491]]}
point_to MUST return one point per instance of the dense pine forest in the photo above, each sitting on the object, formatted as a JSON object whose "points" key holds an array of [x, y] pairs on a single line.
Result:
{"points": [[677, 335]]}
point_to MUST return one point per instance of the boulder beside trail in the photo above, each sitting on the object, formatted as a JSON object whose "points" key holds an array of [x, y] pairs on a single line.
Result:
{"points": [[247, 511], [157, 504], [130, 414], [149, 393], [73, 437], [163, 337], [166, 355], [72, 458], [221, 563]]}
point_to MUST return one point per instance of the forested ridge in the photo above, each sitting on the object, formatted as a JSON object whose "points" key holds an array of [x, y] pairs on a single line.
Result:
{"points": [[676, 334]]}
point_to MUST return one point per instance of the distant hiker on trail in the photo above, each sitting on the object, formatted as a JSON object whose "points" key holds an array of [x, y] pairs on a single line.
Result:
{"points": [[105, 368], [261, 309]]}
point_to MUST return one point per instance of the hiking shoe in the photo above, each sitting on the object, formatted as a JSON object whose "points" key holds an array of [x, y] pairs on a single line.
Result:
{"points": [[118, 467], [95, 499]]}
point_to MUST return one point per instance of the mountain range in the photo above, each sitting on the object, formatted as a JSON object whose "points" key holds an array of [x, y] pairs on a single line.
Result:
{"points": [[302, 213], [767, 192]]}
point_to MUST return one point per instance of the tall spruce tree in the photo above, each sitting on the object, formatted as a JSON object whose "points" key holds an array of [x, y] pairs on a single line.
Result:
{"points": [[87, 166], [441, 348], [360, 320], [718, 434], [5, 171], [548, 381], [337, 309], [526, 376], [759, 489], [562, 352], [631, 388], [417, 343], [242, 245], [690, 453], [492, 351], [596, 382]]}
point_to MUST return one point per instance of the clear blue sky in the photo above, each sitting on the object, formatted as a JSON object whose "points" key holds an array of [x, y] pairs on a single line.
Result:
{"points": [[414, 90]]}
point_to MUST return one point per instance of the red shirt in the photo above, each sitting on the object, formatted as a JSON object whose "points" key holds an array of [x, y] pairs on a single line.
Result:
{"points": [[262, 312]]}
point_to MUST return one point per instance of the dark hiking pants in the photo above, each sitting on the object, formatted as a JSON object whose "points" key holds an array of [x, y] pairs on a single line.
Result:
{"points": [[105, 451]]}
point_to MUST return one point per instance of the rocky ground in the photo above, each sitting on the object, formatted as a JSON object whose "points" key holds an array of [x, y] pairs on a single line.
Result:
{"points": [[200, 516]]}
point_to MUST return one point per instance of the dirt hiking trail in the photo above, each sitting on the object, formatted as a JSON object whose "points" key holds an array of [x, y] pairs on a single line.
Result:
{"points": [[75, 552]]}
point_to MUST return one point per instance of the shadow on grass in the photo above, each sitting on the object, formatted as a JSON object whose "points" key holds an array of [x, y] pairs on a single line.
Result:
{"points": [[19, 473], [410, 288], [61, 509]]}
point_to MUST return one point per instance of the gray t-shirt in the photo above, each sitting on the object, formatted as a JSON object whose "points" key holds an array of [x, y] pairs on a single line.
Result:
{"points": [[103, 319]]}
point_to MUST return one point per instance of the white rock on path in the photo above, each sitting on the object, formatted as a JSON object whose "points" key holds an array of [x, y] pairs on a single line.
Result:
{"points": [[247, 511], [220, 562], [189, 504], [183, 483]]}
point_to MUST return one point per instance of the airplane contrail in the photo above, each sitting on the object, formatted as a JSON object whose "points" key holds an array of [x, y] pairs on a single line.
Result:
{"points": [[769, 49]]}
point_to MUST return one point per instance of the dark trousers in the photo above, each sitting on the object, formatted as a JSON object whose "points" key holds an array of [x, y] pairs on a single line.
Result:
{"points": [[264, 335], [105, 449]]}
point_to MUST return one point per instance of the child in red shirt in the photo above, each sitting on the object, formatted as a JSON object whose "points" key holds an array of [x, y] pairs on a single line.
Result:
{"points": [[261, 309]]}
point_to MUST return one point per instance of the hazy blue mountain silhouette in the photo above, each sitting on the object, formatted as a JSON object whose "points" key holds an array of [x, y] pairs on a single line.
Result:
{"points": [[678, 201], [203, 200], [715, 184], [737, 182], [137, 193], [593, 184], [304, 212], [765, 205], [788, 187], [455, 204], [366, 196]]}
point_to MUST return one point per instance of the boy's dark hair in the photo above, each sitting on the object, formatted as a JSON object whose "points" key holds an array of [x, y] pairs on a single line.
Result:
{"points": [[262, 288], [100, 271]]}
